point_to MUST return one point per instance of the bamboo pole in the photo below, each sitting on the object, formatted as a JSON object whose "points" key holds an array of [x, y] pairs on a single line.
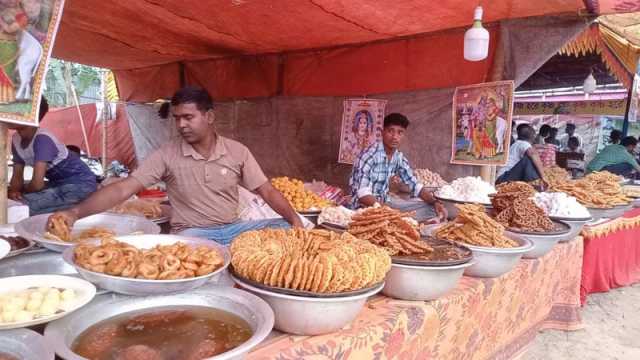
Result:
{"points": [[84, 130], [4, 135]]}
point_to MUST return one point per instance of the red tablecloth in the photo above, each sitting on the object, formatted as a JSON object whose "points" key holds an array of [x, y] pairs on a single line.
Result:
{"points": [[611, 255]]}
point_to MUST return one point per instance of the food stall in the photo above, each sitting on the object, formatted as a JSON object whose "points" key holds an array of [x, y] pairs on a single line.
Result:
{"points": [[505, 267]]}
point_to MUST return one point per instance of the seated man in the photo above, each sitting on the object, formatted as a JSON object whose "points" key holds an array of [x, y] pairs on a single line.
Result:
{"points": [[523, 163], [70, 180], [202, 171], [616, 158], [376, 165]]}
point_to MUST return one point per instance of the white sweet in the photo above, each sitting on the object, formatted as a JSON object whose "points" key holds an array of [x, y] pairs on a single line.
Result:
{"points": [[561, 205], [8, 316], [53, 293], [337, 215], [469, 189], [48, 308], [22, 316], [36, 295], [68, 294], [34, 305]]}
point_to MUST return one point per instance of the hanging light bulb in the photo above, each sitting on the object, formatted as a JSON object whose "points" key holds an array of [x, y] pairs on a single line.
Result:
{"points": [[589, 85], [476, 39]]}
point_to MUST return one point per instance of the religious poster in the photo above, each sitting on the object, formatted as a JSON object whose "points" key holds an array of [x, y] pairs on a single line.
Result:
{"points": [[482, 123], [632, 115], [27, 32], [362, 121]]}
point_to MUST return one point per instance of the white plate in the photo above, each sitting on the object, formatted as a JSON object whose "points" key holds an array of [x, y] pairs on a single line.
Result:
{"points": [[85, 291], [5, 247]]}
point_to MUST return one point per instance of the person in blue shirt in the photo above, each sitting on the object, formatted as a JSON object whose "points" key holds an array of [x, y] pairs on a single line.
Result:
{"points": [[69, 179], [377, 164]]}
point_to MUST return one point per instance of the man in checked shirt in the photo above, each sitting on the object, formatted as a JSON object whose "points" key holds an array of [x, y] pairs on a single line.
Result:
{"points": [[376, 165]]}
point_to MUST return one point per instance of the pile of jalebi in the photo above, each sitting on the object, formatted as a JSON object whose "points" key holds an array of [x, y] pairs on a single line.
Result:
{"points": [[596, 190], [515, 208], [473, 226], [310, 260], [388, 228]]}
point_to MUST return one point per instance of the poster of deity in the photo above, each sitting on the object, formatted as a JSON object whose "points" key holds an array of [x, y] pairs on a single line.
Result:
{"points": [[481, 128], [361, 126], [27, 33]]}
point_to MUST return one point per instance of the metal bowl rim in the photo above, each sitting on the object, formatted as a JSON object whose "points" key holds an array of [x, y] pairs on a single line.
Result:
{"points": [[53, 330], [528, 245], [365, 295], [543, 234], [431, 268], [35, 336], [570, 219], [461, 201], [68, 257]]}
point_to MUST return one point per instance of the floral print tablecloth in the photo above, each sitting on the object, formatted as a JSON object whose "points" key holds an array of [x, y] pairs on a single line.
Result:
{"points": [[480, 319]]}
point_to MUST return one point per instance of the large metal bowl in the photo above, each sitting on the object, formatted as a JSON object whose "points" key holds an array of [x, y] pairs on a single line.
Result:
{"points": [[142, 287], [419, 283], [61, 333], [490, 262], [25, 344], [450, 205], [543, 242], [611, 213], [575, 225], [33, 228], [311, 316]]}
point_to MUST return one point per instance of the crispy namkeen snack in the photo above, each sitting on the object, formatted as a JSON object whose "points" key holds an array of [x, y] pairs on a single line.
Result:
{"points": [[163, 262], [309, 260], [474, 227], [597, 190], [387, 228], [148, 209]]}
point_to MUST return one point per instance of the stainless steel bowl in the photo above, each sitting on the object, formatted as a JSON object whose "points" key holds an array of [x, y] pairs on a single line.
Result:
{"points": [[61, 333], [492, 262], [543, 243], [611, 213], [450, 205], [35, 263], [25, 344], [575, 225], [419, 283], [141, 287], [33, 228], [311, 316]]}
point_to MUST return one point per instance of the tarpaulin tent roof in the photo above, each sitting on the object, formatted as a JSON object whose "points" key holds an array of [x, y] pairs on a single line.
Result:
{"points": [[234, 47]]}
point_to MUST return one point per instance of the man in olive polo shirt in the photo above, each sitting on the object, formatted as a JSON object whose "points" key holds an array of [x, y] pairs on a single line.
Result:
{"points": [[202, 171]]}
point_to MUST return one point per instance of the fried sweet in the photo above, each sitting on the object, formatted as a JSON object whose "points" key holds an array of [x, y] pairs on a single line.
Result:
{"points": [[515, 208], [474, 227], [148, 209], [159, 263], [309, 260], [596, 190], [388, 228]]}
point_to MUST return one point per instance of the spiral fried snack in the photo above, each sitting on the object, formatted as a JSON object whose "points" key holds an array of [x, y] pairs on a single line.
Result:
{"points": [[597, 190], [58, 229], [148, 209], [163, 262], [386, 227], [310, 260], [515, 208], [474, 227]]}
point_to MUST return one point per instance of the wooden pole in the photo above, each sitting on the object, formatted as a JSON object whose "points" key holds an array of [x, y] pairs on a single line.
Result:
{"points": [[105, 112], [84, 130], [4, 135]]}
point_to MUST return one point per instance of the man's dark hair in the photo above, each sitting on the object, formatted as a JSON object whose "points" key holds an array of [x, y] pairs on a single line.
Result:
{"points": [[164, 112], [396, 119], [571, 126], [615, 136], [520, 127], [629, 141], [525, 132], [74, 148], [545, 130], [44, 108], [573, 142], [193, 95]]}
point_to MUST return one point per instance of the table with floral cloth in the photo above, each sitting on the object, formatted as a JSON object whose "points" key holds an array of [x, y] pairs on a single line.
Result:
{"points": [[611, 254], [480, 319]]}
